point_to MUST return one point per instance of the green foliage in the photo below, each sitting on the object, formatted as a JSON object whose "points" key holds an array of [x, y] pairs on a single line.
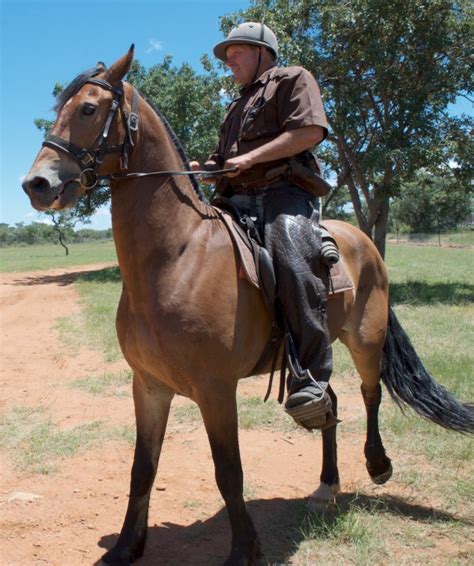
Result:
{"points": [[39, 233], [388, 71], [25, 235], [432, 204], [191, 102]]}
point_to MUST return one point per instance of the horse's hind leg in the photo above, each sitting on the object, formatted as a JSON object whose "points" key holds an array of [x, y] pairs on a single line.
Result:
{"points": [[152, 404], [329, 486], [219, 411], [368, 363], [377, 462]]}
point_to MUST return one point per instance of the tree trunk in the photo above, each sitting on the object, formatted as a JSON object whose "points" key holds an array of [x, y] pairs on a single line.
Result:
{"points": [[62, 242], [380, 226]]}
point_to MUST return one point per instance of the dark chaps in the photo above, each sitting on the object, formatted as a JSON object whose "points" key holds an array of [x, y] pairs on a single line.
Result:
{"points": [[288, 222]]}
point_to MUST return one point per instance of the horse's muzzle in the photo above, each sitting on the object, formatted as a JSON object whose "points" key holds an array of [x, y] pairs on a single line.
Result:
{"points": [[43, 195]]}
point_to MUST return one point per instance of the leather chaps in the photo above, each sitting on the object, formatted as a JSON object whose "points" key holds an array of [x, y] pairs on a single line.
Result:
{"points": [[289, 225]]}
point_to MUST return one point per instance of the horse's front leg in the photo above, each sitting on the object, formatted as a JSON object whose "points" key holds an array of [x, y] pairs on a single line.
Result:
{"points": [[219, 411], [329, 486], [152, 404]]}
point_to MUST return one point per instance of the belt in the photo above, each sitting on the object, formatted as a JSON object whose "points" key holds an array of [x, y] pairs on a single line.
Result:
{"points": [[272, 176]]}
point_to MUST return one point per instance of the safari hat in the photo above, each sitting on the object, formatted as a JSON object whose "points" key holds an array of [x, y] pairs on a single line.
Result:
{"points": [[248, 33]]}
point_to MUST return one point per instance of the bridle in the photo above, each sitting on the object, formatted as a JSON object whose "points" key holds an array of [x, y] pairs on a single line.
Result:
{"points": [[90, 158]]}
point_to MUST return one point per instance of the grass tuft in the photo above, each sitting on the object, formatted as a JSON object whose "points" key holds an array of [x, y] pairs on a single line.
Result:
{"points": [[35, 443], [111, 384]]}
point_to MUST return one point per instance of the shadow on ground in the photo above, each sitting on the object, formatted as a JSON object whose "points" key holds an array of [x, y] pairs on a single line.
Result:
{"points": [[278, 521], [424, 293], [410, 292], [104, 275]]}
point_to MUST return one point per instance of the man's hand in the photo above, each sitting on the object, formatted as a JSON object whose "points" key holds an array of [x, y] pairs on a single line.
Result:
{"points": [[242, 162], [196, 166]]}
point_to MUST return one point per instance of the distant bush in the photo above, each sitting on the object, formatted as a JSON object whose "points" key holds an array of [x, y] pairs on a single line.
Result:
{"points": [[38, 233]]}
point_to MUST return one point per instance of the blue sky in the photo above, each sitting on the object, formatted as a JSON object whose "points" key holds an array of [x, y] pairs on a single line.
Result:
{"points": [[49, 41]]}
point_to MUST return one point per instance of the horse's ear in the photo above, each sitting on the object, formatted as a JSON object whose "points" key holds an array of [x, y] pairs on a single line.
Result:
{"points": [[101, 66], [120, 68]]}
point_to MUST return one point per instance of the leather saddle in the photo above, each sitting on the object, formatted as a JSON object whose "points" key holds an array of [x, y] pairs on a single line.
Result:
{"points": [[255, 262]]}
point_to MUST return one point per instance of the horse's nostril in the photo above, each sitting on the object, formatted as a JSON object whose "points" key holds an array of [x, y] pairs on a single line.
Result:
{"points": [[37, 184]]}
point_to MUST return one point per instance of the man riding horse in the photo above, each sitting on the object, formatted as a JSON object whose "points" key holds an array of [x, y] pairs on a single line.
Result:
{"points": [[266, 135]]}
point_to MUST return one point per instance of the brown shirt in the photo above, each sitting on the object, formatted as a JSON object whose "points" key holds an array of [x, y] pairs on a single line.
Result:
{"points": [[281, 99]]}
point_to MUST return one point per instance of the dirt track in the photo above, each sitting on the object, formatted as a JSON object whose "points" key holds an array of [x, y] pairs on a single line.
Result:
{"points": [[72, 516]]}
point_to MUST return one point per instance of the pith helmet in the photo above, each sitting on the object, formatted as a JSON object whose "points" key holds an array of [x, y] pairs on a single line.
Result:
{"points": [[249, 33]]}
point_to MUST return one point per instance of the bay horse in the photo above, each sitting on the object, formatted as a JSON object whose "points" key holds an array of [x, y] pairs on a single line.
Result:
{"points": [[186, 322]]}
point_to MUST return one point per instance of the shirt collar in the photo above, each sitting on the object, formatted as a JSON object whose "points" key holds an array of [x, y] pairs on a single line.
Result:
{"points": [[262, 79]]}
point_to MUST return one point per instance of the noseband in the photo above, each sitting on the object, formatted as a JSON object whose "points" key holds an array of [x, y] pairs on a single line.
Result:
{"points": [[90, 158]]}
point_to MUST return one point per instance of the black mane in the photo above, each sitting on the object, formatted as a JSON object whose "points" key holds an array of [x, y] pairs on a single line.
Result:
{"points": [[74, 86], [180, 149]]}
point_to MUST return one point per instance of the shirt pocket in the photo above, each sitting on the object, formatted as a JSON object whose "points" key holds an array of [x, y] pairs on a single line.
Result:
{"points": [[260, 120]]}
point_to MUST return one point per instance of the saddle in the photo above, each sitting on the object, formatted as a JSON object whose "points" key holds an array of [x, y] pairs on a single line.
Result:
{"points": [[256, 267]]}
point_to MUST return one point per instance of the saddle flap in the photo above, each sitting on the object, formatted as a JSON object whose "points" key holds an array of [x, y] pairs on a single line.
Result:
{"points": [[337, 281]]}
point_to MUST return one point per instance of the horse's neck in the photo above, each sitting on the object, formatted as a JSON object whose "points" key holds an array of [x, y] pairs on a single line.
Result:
{"points": [[153, 217]]}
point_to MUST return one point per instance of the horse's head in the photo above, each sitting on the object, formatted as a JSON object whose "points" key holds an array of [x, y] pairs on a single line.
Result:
{"points": [[88, 139]]}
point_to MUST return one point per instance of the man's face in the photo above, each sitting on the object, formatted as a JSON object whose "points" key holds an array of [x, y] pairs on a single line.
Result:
{"points": [[242, 61]]}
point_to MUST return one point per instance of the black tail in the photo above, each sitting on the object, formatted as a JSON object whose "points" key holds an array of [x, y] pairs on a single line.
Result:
{"points": [[407, 380]]}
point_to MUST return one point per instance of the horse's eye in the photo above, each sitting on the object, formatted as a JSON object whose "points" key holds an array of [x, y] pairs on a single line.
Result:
{"points": [[88, 109]]}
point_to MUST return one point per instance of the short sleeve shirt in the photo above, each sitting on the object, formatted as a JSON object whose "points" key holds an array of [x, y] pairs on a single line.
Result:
{"points": [[281, 99]]}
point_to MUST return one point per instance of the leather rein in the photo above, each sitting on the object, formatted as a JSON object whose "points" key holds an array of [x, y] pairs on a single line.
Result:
{"points": [[90, 158]]}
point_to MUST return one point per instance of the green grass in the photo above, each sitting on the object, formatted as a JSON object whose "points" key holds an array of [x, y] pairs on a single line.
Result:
{"points": [[36, 444], [94, 327], [253, 414], [366, 530], [38, 258], [421, 275], [109, 384]]}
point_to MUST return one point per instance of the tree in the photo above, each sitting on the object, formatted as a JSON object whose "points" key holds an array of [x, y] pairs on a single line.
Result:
{"points": [[388, 71], [63, 225], [191, 102], [432, 204]]}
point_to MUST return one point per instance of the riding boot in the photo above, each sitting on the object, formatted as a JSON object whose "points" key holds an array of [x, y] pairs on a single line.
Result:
{"points": [[292, 238]]}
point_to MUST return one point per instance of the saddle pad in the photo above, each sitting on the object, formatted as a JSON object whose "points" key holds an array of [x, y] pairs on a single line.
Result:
{"points": [[337, 282]]}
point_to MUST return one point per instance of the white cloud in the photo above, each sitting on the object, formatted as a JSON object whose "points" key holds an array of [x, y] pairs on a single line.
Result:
{"points": [[154, 45]]}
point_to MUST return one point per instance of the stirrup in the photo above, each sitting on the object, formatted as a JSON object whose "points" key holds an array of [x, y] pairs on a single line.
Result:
{"points": [[315, 414]]}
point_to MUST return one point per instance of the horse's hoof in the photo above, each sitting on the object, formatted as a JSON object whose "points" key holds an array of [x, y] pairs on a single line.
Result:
{"points": [[118, 557], [380, 479], [252, 557], [323, 499]]}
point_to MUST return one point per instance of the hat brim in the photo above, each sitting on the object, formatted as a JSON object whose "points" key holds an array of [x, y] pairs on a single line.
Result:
{"points": [[220, 48]]}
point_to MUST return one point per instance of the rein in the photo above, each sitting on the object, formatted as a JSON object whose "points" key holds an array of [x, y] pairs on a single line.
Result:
{"points": [[90, 158]]}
